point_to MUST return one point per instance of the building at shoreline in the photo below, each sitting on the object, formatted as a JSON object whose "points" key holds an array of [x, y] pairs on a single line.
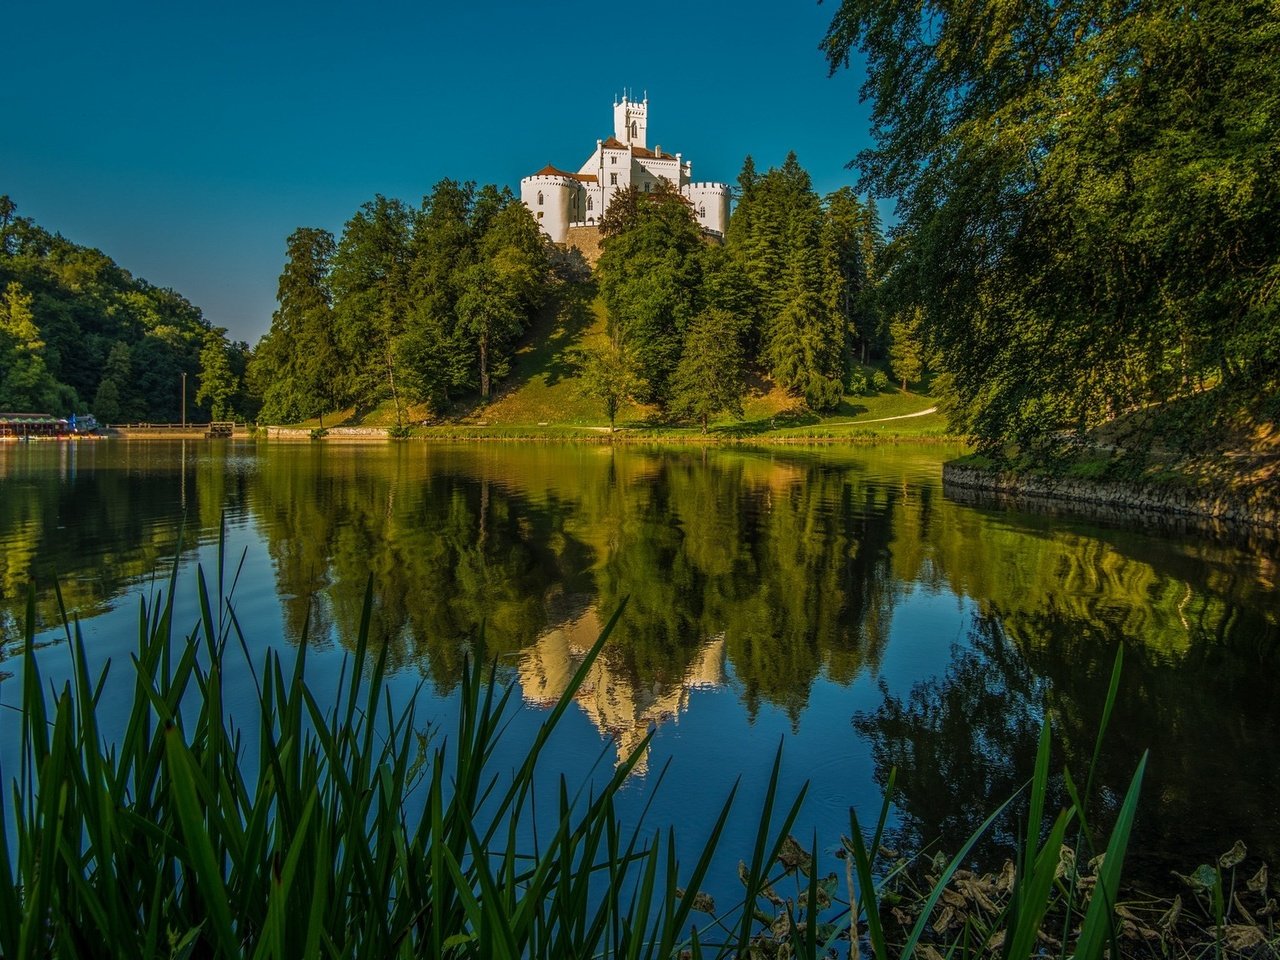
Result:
{"points": [[562, 200]]}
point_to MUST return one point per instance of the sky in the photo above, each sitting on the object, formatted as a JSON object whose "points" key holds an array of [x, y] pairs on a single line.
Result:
{"points": [[187, 141]]}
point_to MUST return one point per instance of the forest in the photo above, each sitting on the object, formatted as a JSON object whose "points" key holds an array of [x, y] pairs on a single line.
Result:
{"points": [[80, 334], [426, 306]]}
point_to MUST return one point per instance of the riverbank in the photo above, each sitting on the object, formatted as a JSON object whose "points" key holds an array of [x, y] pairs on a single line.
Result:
{"points": [[1226, 491]]}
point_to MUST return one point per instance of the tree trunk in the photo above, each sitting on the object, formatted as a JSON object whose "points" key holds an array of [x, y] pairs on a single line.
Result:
{"points": [[484, 368]]}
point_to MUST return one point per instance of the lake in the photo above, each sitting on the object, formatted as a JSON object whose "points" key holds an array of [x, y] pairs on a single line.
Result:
{"points": [[829, 599]]}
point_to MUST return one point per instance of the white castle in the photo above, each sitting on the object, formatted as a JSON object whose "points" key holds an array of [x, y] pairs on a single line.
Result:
{"points": [[561, 200]]}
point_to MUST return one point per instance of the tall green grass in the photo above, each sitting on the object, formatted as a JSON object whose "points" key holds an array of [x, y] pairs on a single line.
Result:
{"points": [[348, 831]]}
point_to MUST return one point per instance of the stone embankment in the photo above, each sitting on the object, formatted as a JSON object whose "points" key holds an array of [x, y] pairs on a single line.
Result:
{"points": [[331, 433], [1253, 507]]}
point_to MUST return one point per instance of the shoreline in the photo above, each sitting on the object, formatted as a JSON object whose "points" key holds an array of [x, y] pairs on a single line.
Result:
{"points": [[1217, 508]]}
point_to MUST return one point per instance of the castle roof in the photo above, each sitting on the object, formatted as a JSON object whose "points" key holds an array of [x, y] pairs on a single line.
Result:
{"points": [[550, 171], [613, 143]]}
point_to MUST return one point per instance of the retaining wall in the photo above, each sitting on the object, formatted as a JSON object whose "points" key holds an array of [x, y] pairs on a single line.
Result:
{"points": [[1254, 507]]}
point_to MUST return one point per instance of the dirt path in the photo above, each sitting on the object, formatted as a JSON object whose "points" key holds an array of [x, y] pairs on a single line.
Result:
{"points": [[904, 416]]}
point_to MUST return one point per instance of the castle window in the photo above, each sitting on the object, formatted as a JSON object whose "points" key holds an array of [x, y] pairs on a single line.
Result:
{"points": [[613, 160], [613, 179], [539, 198], [646, 186], [590, 204], [633, 129], [702, 212]]}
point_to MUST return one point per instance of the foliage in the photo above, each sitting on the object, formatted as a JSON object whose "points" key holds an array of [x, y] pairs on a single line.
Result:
{"points": [[709, 378], [413, 306], [906, 345], [650, 274], [297, 364], [25, 381], [80, 316], [879, 381], [811, 270], [1088, 195], [219, 385], [608, 373]]}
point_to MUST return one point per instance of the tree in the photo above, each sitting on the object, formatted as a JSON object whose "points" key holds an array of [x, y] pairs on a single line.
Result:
{"points": [[906, 345], [708, 380], [490, 313], [651, 280], [218, 382], [25, 381], [370, 282], [780, 241], [1090, 195], [115, 401], [608, 373]]}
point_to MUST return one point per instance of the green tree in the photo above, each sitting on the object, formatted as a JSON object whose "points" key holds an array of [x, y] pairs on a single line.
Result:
{"points": [[298, 365], [651, 280], [25, 381], [608, 373], [906, 345], [490, 314], [709, 378], [218, 384], [1090, 197], [780, 241], [370, 280]]}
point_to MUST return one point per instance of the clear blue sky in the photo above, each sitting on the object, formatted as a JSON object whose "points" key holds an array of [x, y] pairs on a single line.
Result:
{"points": [[188, 140]]}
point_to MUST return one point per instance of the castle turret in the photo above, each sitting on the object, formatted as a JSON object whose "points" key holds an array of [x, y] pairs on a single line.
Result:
{"points": [[554, 197], [631, 121], [710, 204]]}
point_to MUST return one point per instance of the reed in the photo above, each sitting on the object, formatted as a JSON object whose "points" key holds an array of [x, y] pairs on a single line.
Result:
{"points": [[348, 832]]}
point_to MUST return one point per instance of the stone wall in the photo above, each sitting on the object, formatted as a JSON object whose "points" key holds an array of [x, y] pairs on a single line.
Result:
{"points": [[587, 240], [333, 433], [1247, 508]]}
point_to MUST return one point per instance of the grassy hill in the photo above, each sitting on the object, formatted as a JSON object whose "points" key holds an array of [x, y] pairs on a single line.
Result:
{"points": [[543, 396]]}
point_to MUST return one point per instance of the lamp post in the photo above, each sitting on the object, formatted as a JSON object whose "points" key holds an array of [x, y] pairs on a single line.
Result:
{"points": [[184, 398]]}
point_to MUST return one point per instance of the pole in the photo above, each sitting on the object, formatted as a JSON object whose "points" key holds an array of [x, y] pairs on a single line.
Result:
{"points": [[184, 398]]}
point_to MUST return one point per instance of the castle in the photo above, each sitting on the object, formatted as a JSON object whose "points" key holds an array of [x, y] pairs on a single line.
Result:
{"points": [[561, 200]]}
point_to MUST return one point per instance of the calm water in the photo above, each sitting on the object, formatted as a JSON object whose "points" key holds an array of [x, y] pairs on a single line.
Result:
{"points": [[832, 600]]}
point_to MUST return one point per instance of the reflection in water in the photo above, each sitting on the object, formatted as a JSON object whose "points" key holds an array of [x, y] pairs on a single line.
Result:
{"points": [[776, 574], [612, 699]]}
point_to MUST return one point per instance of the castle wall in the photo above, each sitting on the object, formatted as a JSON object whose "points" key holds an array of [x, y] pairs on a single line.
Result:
{"points": [[587, 239]]}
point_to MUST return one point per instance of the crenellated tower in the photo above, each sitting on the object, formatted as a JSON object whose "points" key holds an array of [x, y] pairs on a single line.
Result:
{"points": [[631, 120]]}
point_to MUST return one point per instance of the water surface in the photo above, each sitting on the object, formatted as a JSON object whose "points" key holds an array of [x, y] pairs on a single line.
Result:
{"points": [[832, 600]]}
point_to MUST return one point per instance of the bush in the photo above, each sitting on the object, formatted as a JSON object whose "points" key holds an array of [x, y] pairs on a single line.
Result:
{"points": [[879, 381], [399, 432], [858, 383], [319, 433]]}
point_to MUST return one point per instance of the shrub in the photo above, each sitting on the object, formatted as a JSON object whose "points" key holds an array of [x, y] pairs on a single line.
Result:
{"points": [[879, 381]]}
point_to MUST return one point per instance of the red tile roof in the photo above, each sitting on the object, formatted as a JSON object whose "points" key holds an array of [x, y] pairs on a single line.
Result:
{"points": [[613, 143], [550, 171]]}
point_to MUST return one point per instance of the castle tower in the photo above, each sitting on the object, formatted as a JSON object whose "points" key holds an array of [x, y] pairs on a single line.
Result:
{"points": [[631, 120], [710, 204]]}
